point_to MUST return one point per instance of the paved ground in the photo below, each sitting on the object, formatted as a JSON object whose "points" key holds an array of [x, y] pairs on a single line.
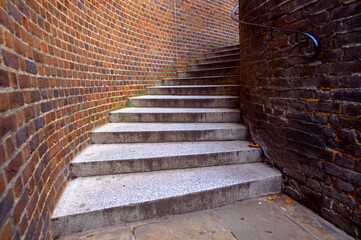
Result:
{"points": [[251, 219]]}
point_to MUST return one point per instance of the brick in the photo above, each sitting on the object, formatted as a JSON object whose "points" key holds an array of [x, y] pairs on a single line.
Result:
{"points": [[34, 143], [346, 67], [340, 172], [4, 78], [5, 205], [20, 206], [31, 67], [351, 109], [7, 124], [7, 233], [346, 11], [353, 95], [14, 12], [13, 167], [10, 147], [4, 102], [344, 161], [29, 113], [21, 136], [348, 135], [10, 59]]}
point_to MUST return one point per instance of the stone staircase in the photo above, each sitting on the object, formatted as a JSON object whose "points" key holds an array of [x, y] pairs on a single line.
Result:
{"points": [[181, 148]]}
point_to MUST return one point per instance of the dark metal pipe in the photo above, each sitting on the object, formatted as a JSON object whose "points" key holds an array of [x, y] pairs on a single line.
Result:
{"points": [[315, 41]]}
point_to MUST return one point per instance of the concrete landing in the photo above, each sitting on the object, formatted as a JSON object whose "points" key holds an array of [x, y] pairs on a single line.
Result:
{"points": [[93, 202], [250, 219]]}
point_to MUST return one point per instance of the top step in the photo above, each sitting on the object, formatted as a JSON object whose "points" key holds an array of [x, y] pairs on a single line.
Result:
{"points": [[222, 53], [232, 47]]}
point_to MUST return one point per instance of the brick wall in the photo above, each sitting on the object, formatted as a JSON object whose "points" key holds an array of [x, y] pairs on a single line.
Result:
{"points": [[63, 66], [305, 113]]}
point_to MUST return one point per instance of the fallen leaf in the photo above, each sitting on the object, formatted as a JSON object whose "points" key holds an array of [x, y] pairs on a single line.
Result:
{"points": [[271, 198], [242, 219], [233, 204], [253, 145], [211, 214], [288, 201], [268, 232]]}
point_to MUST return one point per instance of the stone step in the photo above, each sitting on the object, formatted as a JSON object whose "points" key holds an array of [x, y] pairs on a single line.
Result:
{"points": [[222, 52], [191, 115], [218, 59], [209, 72], [233, 90], [212, 65], [231, 47], [182, 101], [99, 201], [212, 80], [168, 132], [104, 159]]}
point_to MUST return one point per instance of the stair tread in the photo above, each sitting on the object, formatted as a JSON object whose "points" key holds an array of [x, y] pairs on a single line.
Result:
{"points": [[183, 97], [196, 86], [173, 110], [156, 127], [202, 77], [89, 194], [215, 62], [209, 69], [124, 151], [222, 56]]}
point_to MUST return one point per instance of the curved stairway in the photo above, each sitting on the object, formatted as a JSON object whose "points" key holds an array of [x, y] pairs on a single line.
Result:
{"points": [[180, 148]]}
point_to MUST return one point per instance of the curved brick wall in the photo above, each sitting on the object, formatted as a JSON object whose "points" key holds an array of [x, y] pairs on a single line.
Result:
{"points": [[305, 113], [63, 66]]}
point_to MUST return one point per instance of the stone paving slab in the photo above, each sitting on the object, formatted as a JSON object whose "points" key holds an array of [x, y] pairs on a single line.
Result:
{"points": [[250, 219]]}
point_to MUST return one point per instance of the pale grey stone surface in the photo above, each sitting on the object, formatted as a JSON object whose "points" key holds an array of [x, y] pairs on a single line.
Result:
{"points": [[209, 80], [190, 115], [183, 101], [91, 202], [101, 159], [233, 90], [168, 132]]}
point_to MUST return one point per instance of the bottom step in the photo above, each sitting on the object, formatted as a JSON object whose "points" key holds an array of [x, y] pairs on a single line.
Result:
{"points": [[94, 202]]}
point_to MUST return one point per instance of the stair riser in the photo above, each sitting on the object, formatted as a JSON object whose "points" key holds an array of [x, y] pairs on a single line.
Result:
{"points": [[212, 72], [230, 117], [187, 103], [227, 90], [169, 206], [169, 136], [222, 53], [219, 59], [218, 49], [202, 81], [214, 65], [164, 163]]}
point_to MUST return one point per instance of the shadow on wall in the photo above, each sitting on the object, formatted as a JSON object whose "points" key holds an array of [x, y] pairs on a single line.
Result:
{"points": [[305, 112]]}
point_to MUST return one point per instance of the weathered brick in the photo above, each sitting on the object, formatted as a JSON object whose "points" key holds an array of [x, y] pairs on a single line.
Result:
{"points": [[4, 78], [13, 167], [5, 205], [31, 67], [353, 95], [10, 59], [344, 161]]}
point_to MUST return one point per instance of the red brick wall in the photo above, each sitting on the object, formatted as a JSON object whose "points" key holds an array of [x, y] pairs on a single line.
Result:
{"points": [[306, 113], [63, 66]]}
